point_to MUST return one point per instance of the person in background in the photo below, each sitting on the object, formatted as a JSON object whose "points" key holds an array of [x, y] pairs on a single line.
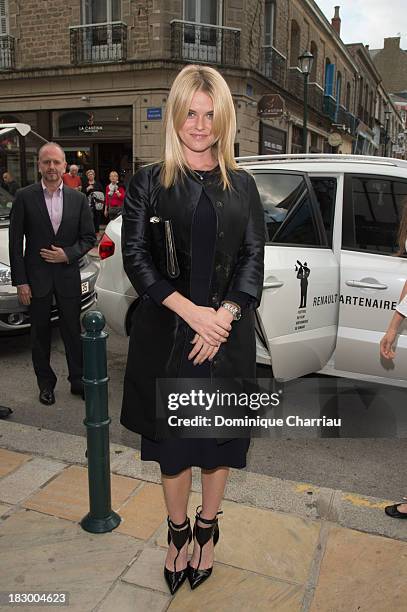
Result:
{"points": [[387, 348], [72, 179], [93, 190], [9, 183], [45, 249], [114, 196]]}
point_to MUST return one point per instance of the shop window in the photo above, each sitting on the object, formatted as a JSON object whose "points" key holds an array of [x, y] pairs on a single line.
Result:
{"points": [[315, 146], [272, 140], [296, 139]]}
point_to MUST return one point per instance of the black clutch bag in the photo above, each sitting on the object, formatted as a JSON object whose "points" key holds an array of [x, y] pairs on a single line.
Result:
{"points": [[170, 252]]}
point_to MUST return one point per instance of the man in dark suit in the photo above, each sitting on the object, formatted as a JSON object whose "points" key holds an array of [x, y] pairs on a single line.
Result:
{"points": [[57, 225]]}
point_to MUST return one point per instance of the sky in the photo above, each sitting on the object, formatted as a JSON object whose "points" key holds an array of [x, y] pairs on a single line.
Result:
{"points": [[369, 21]]}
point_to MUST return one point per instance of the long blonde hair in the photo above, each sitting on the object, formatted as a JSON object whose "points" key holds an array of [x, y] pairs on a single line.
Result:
{"points": [[190, 80]]}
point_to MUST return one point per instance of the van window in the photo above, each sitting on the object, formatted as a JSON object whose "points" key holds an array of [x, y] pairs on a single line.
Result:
{"points": [[287, 209], [325, 191], [377, 204]]}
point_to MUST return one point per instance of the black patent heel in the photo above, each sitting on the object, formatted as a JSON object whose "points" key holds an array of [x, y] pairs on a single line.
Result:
{"points": [[197, 576], [178, 535]]}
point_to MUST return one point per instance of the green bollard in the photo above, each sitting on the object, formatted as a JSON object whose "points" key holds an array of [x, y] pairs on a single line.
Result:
{"points": [[101, 518]]}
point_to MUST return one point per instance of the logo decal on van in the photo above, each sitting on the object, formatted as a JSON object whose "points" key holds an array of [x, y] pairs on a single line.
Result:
{"points": [[303, 273]]}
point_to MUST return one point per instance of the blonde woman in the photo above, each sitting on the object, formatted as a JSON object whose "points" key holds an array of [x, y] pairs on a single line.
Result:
{"points": [[387, 349], [195, 316]]}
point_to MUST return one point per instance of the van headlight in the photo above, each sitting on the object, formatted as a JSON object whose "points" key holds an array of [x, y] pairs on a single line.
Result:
{"points": [[5, 274]]}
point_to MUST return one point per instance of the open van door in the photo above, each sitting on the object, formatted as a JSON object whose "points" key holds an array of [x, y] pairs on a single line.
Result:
{"points": [[299, 308]]}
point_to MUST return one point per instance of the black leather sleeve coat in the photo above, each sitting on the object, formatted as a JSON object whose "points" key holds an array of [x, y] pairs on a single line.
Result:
{"points": [[158, 335]]}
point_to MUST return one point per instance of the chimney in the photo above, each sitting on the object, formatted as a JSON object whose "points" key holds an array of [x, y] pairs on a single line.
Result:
{"points": [[392, 43], [336, 21]]}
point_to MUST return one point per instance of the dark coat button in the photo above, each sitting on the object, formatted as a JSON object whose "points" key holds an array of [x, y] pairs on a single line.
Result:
{"points": [[215, 298], [218, 267], [221, 235], [219, 204]]}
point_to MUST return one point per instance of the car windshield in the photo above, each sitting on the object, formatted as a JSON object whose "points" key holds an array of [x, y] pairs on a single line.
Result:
{"points": [[6, 201]]}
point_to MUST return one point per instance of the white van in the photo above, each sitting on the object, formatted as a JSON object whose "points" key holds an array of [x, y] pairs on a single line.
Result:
{"points": [[332, 280]]}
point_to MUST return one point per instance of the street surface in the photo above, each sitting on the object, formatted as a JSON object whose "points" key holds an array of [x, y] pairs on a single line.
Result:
{"points": [[373, 466]]}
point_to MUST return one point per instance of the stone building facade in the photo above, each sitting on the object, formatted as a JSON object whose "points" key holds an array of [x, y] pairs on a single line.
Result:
{"points": [[367, 95], [391, 62], [94, 75]]}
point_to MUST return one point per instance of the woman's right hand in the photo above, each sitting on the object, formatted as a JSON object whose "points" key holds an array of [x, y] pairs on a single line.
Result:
{"points": [[203, 321], [386, 344], [202, 351]]}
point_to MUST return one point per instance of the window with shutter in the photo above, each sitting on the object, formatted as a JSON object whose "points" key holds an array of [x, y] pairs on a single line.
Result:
{"points": [[329, 79], [3, 17]]}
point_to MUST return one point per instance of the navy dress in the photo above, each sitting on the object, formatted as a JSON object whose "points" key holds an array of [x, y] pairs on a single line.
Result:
{"points": [[175, 455]]}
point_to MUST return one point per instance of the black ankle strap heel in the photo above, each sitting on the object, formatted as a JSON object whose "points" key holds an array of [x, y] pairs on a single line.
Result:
{"points": [[179, 535], [197, 576]]}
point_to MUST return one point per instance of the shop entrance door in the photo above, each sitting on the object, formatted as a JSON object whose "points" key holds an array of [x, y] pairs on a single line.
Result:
{"points": [[114, 156]]}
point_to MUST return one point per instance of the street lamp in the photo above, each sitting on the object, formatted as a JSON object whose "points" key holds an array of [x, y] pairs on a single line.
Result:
{"points": [[387, 114], [306, 61]]}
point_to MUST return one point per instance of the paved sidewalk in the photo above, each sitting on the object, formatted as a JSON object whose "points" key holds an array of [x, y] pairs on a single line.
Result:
{"points": [[284, 546]]}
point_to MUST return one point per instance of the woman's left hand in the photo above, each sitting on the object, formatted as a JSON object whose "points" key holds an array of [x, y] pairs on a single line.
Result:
{"points": [[202, 350]]}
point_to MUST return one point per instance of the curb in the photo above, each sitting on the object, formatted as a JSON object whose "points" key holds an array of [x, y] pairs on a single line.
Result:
{"points": [[349, 510]]}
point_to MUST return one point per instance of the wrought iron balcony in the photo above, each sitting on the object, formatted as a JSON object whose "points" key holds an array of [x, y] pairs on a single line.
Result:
{"points": [[273, 64], [330, 108], [352, 123], [342, 117], [205, 43], [95, 43], [7, 53], [316, 97], [296, 82], [346, 119], [315, 91]]}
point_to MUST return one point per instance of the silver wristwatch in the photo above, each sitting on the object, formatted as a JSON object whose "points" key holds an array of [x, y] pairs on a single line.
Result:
{"points": [[234, 309]]}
